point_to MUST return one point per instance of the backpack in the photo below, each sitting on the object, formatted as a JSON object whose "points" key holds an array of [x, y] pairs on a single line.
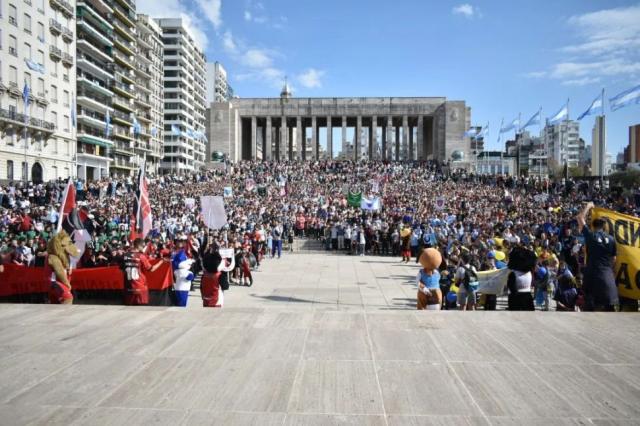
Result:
{"points": [[470, 281]]}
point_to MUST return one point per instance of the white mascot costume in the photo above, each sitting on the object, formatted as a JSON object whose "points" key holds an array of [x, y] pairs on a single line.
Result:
{"points": [[183, 278]]}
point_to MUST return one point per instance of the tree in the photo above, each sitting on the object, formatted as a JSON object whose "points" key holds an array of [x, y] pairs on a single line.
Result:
{"points": [[628, 180]]}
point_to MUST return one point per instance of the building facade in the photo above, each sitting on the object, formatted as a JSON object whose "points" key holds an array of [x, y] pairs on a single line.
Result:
{"points": [[95, 74], [37, 48], [218, 88], [184, 99], [632, 152], [395, 129], [563, 144], [149, 100], [496, 163]]}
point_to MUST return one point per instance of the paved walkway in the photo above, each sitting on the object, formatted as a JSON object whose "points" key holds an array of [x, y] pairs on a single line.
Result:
{"points": [[318, 340]]}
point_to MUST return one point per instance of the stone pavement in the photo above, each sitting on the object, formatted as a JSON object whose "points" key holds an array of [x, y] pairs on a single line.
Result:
{"points": [[318, 340]]}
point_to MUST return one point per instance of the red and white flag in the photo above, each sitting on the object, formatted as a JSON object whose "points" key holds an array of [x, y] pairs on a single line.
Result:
{"points": [[142, 220], [68, 203]]}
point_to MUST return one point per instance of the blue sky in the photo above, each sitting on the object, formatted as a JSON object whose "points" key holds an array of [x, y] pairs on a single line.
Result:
{"points": [[501, 57]]}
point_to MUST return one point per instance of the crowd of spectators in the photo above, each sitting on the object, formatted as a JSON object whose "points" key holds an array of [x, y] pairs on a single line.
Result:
{"points": [[476, 222]]}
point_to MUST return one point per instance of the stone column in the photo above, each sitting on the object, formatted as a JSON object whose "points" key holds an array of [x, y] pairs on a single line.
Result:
{"points": [[254, 138], [356, 139], [373, 139], [299, 139], [290, 144], [412, 144], [344, 133], [267, 148], [329, 138], [390, 142], [420, 139], [405, 137], [314, 138], [283, 140], [383, 144], [398, 155]]}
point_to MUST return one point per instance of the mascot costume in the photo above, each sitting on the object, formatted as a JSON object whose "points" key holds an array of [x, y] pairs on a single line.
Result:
{"points": [[521, 263], [429, 293], [217, 265], [60, 251], [183, 277]]}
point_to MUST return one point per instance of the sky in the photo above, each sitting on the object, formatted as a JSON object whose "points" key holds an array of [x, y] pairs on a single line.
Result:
{"points": [[503, 57]]}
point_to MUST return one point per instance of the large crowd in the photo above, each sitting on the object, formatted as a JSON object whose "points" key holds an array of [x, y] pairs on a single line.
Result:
{"points": [[475, 222]]}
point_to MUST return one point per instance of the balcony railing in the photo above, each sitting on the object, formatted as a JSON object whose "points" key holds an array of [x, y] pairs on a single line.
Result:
{"points": [[64, 7], [67, 34], [55, 53], [21, 119], [55, 27], [67, 60]]}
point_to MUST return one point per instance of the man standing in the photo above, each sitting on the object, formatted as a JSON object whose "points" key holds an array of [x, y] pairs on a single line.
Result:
{"points": [[135, 262], [601, 293], [276, 233]]}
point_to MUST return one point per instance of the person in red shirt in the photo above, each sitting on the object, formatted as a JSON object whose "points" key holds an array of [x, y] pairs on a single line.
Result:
{"points": [[136, 262]]}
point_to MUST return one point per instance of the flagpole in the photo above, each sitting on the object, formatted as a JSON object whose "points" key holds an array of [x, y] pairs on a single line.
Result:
{"points": [[25, 168]]}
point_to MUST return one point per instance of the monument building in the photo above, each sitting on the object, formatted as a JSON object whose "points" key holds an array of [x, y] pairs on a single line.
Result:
{"points": [[376, 128]]}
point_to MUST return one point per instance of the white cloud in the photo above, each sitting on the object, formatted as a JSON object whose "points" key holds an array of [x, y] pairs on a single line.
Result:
{"points": [[466, 10], [607, 46], [311, 78], [176, 9], [247, 15], [211, 9], [536, 74], [257, 58], [228, 43]]}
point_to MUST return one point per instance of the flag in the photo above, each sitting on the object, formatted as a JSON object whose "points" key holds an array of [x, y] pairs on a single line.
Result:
{"points": [[68, 203], [561, 115], [354, 199], [213, 213], [107, 125], [142, 220], [596, 107], [136, 126], [154, 131], [440, 203], [483, 132], [513, 125], [471, 133], [625, 98], [370, 204], [250, 184], [26, 93], [175, 129], [227, 191], [534, 120], [73, 111]]}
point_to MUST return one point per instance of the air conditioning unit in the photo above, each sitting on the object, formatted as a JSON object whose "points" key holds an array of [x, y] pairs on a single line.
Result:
{"points": [[12, 51], [12, 20]]}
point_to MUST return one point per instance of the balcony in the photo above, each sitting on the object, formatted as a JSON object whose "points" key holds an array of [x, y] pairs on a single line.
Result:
{"points": [[126, 16], [55, 27], [123, 147], [67, 60], [89, 28], [122, 117], [63, 6], [10, 119], [122, 89], [55, 53], [123, 104], [143, 101], [123, 60], [67, 35]]}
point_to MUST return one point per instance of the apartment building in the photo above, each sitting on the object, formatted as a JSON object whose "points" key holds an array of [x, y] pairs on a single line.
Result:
{"points": [[149, 99], [218, 88], [37, 48], [184, 99]]}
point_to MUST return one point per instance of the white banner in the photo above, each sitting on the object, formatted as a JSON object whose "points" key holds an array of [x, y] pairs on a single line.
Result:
{"points": [[213, 213], [440, 203], [493, 282]]}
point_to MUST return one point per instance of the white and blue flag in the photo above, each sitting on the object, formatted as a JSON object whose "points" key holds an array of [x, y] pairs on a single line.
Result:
{"points": [[471, 133], [136, 126], [154, 131], [596, 107], [513, 125], [561, 115], [73, 111], [534, 120], [107, 125], [175, 129], [626, 98], [483, 132], [26, 93]]}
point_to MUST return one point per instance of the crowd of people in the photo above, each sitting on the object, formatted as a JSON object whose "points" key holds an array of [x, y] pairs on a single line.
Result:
{"points": [[475, 223]]}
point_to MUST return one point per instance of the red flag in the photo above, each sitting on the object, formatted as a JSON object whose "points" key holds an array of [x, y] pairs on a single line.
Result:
{"points": [[68, 203], [142, 220]]}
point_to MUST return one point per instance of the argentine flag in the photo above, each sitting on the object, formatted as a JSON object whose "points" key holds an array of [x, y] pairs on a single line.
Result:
{"points": [[483, 132], [370, 204], [595, 108], [175, 129], [107, 124], [532, 121], [625, 98], [561, 115], [513, 125], [471, 133]]}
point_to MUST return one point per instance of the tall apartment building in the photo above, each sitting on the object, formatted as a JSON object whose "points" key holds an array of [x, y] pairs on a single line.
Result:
{"points": [[125, 134], [95, 74], [37, 47], [150, 97], [184, 99], [563, 144], [218, 88], [632, 151]]}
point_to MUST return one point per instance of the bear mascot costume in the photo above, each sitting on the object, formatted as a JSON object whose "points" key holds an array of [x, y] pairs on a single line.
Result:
{"points": [[429, 293], [183, 278], [522, 261], [60, 250]]}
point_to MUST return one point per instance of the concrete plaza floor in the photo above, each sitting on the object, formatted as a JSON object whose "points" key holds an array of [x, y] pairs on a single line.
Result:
{"points": [[318, 340]]}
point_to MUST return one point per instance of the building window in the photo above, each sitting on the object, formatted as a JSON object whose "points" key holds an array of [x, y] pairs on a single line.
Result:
{"points": [[65, 98], [9, 169], [41, 32], [54, 118], [41, 87], [27, 50], [54, 94], [27, 79], [13, 46], [66, 123], [27, 23], [13, 75], [13, 15], [40, 57]]}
